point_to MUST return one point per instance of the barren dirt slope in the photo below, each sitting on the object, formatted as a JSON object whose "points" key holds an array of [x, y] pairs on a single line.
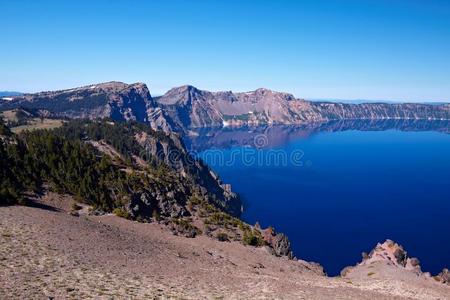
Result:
{"points": [[45, 252]]}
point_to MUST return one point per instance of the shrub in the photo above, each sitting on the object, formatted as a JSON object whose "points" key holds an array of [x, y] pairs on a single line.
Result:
{"points": [[185, 228], [222, 219], [195, 200], [243, 227], [222, 237], [121, 212], [252, 238], [155, 215]]}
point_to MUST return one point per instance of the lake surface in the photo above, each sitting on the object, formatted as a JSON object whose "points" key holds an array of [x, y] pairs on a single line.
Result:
{"points": [[342, 188]]}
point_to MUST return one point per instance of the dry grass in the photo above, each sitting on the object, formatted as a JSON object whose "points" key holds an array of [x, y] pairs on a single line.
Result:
{"points": [[9, 115], [37, 123]]}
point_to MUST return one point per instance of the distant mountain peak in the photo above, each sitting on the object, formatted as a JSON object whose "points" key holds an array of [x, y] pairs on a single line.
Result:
{"points": [[188, 87], [261, 93], [185, 88], [113, 85], [263, 90], [181, 95], [109, 86]]}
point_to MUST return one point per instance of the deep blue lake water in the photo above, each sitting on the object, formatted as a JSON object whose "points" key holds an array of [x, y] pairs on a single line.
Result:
{"points": [[351, 189]]}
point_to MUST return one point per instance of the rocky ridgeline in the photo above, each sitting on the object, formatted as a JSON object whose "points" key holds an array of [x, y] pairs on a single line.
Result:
{"points": [[190, 107], [187, 107], [115, 100], [389, 260]]}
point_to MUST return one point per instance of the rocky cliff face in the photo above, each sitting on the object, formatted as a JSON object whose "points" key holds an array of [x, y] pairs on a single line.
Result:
{"points": [[192, 108], [115, 100], [382, 111], [278, 242], [171, 150], [184, 108]]}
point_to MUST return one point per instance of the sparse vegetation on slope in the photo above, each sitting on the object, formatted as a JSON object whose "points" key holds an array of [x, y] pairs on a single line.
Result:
{"points": [[66, 160], [114, 168]]}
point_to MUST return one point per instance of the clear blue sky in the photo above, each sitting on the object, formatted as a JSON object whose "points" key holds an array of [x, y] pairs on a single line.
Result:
{"points": [[371, 49]]}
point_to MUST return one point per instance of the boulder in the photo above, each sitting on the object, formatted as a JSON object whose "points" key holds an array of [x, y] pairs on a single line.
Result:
{"points": [[444, 276], [279, 242]]}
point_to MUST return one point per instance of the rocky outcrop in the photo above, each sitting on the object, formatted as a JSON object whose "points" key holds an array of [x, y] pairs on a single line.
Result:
{"points": [[443, 276], [159, 200], [389, 254], [394, 254], [389, 261], [278, 242], [171, 150]]}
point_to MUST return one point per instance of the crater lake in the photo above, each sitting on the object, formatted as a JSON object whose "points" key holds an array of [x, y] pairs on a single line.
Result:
{"points": [[337, 189]]}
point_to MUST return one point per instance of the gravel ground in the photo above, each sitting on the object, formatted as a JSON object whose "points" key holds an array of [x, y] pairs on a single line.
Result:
{"points": [[45, 252]]}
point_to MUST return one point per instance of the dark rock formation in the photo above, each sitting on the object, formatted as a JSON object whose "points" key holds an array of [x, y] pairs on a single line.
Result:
{"points": [[282, 246], [278, 243]]}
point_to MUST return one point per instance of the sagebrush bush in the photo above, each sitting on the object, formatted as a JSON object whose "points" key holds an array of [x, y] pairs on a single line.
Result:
{"points": [[121, 212], [222, 237], [253, 238]]}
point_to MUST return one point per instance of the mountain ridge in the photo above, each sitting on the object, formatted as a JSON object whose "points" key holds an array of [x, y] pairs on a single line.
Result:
{"points": [[186, 107]]}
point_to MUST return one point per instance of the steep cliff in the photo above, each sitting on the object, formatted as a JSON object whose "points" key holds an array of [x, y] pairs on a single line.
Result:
{"points": [[190, 108], [184, 108], [120, 165], [116, 100]]}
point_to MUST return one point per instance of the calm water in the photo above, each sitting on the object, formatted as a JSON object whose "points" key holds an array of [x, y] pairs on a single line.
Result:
{"points": [[353, 189]]}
